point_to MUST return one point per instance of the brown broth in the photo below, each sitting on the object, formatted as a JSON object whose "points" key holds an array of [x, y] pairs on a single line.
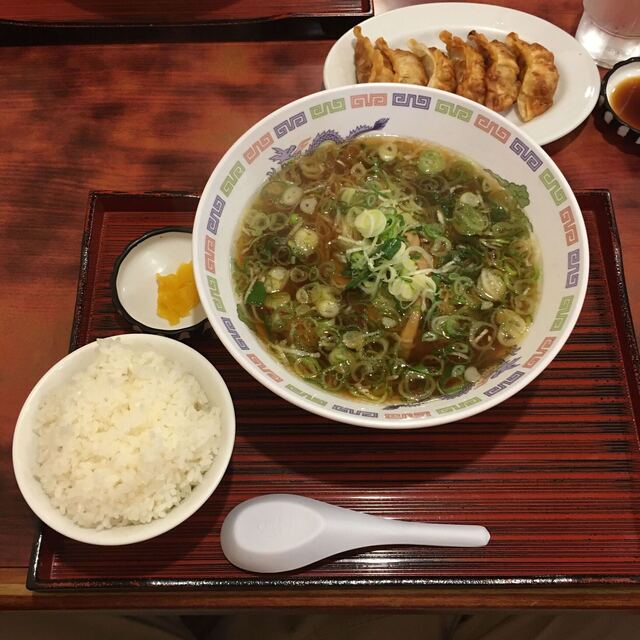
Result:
{"points": [[625, 101], [358, 311]]}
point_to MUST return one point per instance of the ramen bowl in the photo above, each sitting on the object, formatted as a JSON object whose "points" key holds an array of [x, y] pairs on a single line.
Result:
{"points": [[468, 129]]}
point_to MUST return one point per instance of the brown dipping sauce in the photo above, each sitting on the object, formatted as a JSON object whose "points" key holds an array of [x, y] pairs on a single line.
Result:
{"points": [[625, 101]]}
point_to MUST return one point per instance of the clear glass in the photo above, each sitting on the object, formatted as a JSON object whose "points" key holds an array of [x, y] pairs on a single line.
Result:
{"points": [[610, 30]]}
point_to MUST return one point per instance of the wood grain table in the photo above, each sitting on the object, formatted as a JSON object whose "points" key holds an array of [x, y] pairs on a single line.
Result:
{"points": [[157, 116]]}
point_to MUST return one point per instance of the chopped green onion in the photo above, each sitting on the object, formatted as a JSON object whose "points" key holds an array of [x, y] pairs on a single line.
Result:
{"points": [[512, 327], [358, 279], [277, 300], [307, 367], [457, 326], [469, 221], [498, 213], [524, 305], [353, 340], [273, 190], [388, 151], [278, 221], [458, 371], [470, 198], [441, 246], [340, 354], [431, 162], [491, 284], [328, 308], [390, 247], [370, 223], [358, 170], [257, 294], [416, 385], [256, 223], [431, 364], [311, 168], [276, 279], [298, 275], [304, 241], [449, 385], [346, 195], [333, 378], [481, 335], [432, 230]]}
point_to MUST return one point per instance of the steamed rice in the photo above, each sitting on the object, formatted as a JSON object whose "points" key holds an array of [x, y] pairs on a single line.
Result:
{"points": [[126, 440]]}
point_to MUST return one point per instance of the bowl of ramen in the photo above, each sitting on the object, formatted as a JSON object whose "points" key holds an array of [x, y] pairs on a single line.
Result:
{"points": [[390, 256]]}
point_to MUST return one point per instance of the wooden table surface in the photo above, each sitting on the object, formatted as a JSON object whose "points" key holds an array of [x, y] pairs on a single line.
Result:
{"points": [[157, 116]]}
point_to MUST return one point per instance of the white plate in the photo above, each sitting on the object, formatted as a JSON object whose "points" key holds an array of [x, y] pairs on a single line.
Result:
{"points": [[579, 78]]}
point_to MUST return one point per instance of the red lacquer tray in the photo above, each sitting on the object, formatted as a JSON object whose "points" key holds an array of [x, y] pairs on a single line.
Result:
{"points": [[554, 472], [116, 21], [169, 12]]}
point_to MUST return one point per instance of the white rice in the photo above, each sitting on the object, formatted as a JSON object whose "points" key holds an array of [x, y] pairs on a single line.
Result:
{"points": [[126, 440]]}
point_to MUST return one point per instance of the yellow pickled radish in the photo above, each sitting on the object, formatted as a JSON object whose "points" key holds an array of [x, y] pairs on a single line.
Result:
{"points": [[177, 293]]}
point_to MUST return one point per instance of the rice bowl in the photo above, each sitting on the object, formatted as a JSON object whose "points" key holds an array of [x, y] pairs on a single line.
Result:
{"points": [[124, 439]]}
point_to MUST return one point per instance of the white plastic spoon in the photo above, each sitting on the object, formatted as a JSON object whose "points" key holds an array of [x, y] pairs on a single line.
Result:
{"points": [[282, 532]]}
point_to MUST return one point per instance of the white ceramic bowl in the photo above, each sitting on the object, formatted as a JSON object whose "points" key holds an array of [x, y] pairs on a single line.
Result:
{"points": [[24, 441], [409, 111]]}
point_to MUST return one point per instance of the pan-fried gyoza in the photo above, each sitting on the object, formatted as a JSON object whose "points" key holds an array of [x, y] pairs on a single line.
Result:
{"points": [[490, 72]]}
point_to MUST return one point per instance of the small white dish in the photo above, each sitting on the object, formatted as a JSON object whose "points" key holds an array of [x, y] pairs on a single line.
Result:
{"points": [[579, 78], [25, 441], [133, 283]]}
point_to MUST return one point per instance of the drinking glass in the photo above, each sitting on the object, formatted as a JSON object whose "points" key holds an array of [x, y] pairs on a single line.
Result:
{"points": [[610, 30]]}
